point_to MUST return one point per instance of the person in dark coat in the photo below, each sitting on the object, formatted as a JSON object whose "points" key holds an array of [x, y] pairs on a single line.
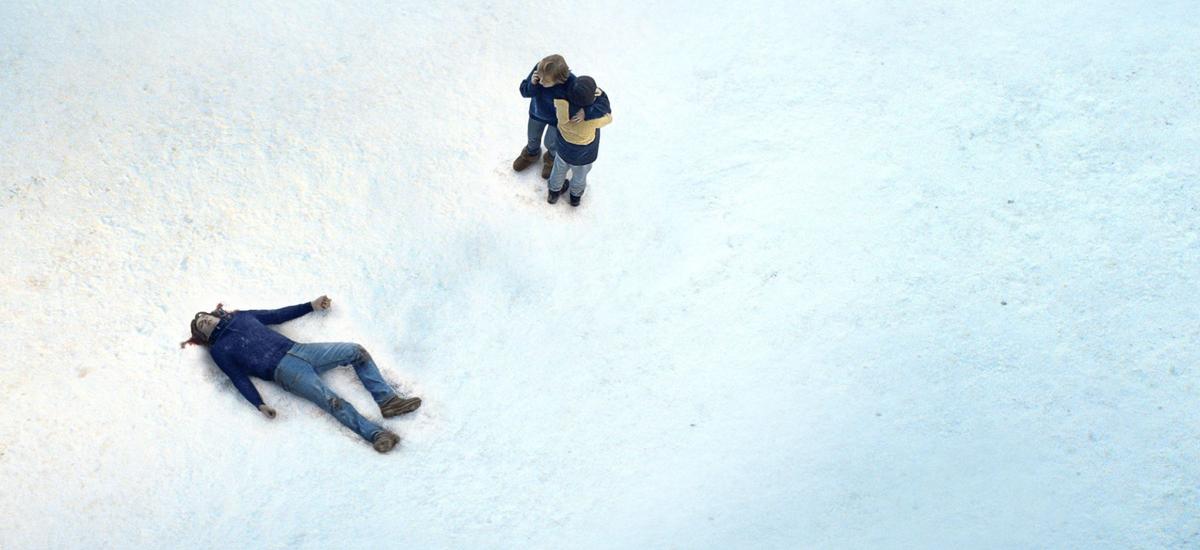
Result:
{"points": [[550, 79], [578, 137], [242, 346]]}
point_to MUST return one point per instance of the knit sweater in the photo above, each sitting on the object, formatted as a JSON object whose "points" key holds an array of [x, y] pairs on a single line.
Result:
{"points": [[242, 346]]}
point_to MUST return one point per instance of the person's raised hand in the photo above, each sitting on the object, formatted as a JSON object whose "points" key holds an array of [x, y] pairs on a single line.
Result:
{"points": [[267, 410], [322, 303], [536, 78], [578, 116]]}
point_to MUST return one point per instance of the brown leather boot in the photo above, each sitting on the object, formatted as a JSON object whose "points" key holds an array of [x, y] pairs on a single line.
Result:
{"points": [[399, 405], [524, 160], [547, 164], [385, 441]]}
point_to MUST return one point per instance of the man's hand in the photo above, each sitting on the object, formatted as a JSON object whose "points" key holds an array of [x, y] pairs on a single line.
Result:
{"points": [[267, 410], [536, 78], [322, 303], [578, 116]]}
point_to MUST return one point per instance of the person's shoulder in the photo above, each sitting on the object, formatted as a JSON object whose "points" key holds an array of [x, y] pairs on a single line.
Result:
{"points": [[240, 318], [217, 348], [565, 85]]}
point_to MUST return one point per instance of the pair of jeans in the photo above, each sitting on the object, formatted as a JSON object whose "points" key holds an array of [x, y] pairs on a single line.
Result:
{"points": [[536, 129], [578, 176], [299, 372]]}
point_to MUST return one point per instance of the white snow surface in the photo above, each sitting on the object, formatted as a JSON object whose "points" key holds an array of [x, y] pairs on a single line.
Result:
{"points": [[846, 275]]}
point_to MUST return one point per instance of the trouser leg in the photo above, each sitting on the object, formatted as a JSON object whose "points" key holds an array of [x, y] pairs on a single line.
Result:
{"points": [[325, 356], [299, 377], [579, 179], [558, 174], [551, 139], [534, 135]]}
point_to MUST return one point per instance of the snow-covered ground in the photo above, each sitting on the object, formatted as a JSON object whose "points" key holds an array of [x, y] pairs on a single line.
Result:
{"points": [[861, 274]]}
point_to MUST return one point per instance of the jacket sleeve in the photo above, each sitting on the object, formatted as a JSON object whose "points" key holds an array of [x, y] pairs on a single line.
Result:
{"points": [[526, 85], [240, 381], [281, 315], [561, 108], [598, 108], [601, 122], [562, 111]]}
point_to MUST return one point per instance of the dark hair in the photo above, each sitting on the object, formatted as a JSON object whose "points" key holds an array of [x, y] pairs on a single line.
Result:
{"points": [[198, 338], [582, 92]]}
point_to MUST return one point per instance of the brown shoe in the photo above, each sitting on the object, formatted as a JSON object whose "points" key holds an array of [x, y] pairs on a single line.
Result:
{"points": [[385, 441], [399, 405], [524, 160], [547, 164]]}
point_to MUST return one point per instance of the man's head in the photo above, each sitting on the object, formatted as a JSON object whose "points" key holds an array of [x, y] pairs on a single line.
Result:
{"points": [[553, 70], [203, 324], [582, 92]]}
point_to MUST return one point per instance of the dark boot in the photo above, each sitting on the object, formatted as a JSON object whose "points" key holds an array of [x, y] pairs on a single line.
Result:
{"points": [[524, 160], [385, 441], [399, 405], [547, 164], [575, 199], [553, 196]]}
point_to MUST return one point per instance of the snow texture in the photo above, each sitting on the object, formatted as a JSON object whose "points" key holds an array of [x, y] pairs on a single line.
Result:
{"points": [[847, 274]]}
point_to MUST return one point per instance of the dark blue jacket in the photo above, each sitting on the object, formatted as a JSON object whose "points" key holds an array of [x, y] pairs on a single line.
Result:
{"points": [[541, 102], [242, 346], [579, 155]]}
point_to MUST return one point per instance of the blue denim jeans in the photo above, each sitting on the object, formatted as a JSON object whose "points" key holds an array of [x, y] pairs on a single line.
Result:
{"points": [[578, 176], [299, 372], [536, 129]]}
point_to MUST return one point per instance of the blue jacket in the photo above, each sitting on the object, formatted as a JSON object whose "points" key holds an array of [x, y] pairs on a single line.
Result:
{"points": [[577, 154], [541, 99], [242, 346]]}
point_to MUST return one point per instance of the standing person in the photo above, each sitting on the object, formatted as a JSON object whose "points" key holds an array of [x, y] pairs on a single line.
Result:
{"points": [[242, 346], [550, 79], [578, 137]]}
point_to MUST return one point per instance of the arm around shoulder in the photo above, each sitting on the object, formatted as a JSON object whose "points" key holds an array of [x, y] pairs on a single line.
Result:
{"points": [[562, 111], [598, 108]]}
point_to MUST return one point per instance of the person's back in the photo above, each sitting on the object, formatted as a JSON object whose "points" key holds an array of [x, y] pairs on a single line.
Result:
{"points": [[581, 140], [580, 116]]}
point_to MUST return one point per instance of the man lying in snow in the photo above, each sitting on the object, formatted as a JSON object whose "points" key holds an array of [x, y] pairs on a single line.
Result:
{"points": [[243, 346]]}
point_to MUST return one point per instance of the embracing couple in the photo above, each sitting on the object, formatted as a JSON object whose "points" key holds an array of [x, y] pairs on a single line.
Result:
{"points": [[569, 111]]}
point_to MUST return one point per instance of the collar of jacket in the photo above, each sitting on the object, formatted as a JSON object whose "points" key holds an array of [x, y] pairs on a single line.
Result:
{"points": [[219, 329]]}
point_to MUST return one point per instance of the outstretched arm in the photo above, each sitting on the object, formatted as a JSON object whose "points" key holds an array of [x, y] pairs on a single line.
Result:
{"points": [[283, 314], [240, 381]]}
